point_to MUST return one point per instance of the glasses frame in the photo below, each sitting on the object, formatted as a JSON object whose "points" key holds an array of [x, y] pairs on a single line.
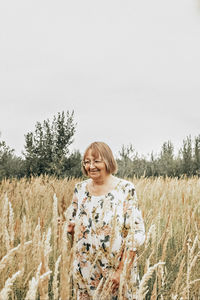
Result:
{"points": [[95, 163]]}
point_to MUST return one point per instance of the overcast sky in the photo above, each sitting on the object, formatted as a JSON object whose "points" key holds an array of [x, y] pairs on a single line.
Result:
{"points": [[130, 70]]}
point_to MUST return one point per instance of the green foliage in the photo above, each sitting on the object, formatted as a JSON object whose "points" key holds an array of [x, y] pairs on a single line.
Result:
{"points": [[10, 165], [47, 148], [197, 155], [47, 152], [6, 155], [187, 163], [73, 165], [129, 163], [187, 159]]}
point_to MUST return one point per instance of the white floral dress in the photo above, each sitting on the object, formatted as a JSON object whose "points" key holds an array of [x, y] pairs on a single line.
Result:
{"points": [[104, 227]]}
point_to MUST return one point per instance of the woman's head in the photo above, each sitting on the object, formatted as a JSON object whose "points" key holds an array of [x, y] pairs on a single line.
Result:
{"points": [[100, 152]]}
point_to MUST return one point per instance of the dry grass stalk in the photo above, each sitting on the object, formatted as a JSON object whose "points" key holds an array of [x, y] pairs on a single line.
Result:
{"points": [[43, 285], [106, 289], [45, 271], [164, 247], [191, 260], [4, 293], [55, 279], [98, 290], [6, 239], [37, 244], [55, 223], [7, 259], [179, 276], [143, 288], [65, 265], [11, 225], [22, 253], [158, 198], [33, 285], [123, 278], [5, 212], [151, 236]]}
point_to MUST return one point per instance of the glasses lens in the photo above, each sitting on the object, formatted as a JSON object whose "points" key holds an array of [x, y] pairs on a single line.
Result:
{"points": [[87, 163]]}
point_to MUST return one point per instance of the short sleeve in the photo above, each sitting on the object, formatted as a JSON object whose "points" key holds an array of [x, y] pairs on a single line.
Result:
{"points": [[133, 221], [71, 211]]}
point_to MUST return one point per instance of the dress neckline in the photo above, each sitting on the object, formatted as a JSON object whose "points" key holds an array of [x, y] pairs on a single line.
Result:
{"points": [[103, 195]]}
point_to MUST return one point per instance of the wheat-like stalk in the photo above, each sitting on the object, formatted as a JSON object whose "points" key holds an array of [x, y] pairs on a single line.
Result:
{"points": [[4, 293], [11, 225], [143, 288], [29, 211], [45, 271], [5, 212], [65, 265], [151, 235], [55, 222], [9, 256], [55, 278], [33, 285], [180, 275]]}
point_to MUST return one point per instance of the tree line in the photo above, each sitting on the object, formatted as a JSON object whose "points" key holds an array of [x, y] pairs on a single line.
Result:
{"points": [[46, 151], [166, 163]]}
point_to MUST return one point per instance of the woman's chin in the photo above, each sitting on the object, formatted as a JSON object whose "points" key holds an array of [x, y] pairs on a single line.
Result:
{"points": [[94, 174]]}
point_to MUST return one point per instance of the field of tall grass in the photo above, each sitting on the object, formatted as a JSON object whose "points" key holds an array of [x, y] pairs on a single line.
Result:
{"points": [[36, 253]]}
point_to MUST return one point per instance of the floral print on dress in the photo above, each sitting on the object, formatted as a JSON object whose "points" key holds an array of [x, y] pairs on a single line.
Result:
{"points": [[104, 227]]}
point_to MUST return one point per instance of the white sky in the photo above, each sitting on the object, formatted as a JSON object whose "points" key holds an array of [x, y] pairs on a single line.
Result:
{"points": [[129, 69]]}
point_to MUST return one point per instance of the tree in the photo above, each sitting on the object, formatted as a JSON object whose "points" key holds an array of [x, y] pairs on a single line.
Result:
{"points": [[153, 166], [6, 155], [130, 164], [197, 155], [166, 160], [73, 165], [125, 162], [47, 148], [187, 160], [10, 165]]}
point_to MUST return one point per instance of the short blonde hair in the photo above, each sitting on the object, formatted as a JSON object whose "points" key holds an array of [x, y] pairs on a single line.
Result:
{"points": [[103, 150]]}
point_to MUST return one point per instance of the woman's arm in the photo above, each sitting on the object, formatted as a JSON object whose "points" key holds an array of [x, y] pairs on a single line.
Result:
{"points": [[70, 213], [135, 233], [116, 276]]}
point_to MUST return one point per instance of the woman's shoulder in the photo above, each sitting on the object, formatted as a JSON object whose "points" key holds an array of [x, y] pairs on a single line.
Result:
{"points": [[128, 189], [126, 184], [79, 186]]}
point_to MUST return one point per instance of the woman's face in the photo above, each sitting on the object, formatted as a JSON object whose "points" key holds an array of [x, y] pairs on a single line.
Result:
{"points": [[94, 166]]}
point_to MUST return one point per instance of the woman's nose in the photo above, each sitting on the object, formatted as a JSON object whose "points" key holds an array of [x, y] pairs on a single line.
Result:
{"points": [[92, 164]]}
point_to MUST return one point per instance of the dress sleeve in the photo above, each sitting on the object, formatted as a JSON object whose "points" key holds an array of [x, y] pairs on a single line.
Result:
{"points": [[71, 211], [133, 221]]}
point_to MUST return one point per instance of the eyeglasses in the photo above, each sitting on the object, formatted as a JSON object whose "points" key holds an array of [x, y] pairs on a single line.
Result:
{"points": [[96, 162]]}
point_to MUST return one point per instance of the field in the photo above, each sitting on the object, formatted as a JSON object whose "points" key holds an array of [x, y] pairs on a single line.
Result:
{"points": [[35, 252]]}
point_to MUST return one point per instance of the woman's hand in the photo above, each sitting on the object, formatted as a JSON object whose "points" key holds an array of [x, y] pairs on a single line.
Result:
{"points": [[70, 232], [116, 280], [70, 228]]}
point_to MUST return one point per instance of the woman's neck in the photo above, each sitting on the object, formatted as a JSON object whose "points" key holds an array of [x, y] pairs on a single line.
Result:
{"points": [[102, 181], [102, 186]]}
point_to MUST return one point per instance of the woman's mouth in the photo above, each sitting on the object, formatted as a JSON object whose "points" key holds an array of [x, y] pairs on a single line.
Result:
{"points": [[94, 171]]}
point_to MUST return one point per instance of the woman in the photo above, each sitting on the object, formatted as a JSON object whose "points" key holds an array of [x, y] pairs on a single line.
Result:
{"points": [[107, 228]]}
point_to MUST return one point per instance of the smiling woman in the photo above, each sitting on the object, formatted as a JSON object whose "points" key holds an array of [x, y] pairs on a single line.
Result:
{"points": [[101, 152], [107, 227]]}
